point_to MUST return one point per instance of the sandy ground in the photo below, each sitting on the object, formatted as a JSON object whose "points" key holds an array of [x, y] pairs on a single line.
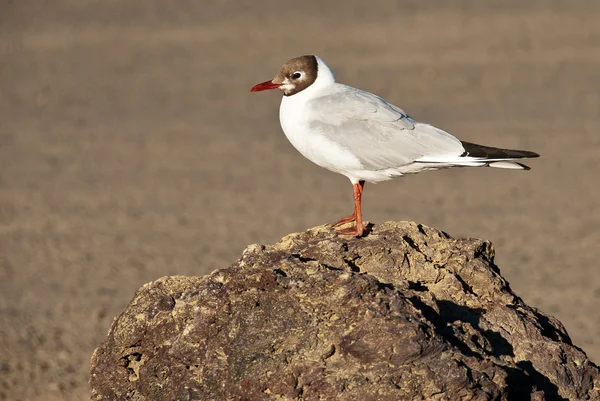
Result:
{"points": [[131, 148]]}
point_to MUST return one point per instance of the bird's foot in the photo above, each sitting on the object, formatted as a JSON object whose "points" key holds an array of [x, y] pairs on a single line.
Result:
{"points": [[343, 220], [356, 231]]}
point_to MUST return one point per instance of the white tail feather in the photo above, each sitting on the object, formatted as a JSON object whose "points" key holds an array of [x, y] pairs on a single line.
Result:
{"points": [[511, 165], [460, 159], [466, 161]]}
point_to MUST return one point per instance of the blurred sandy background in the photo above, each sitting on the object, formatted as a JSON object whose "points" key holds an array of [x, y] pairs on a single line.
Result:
{"points": [[131, 148]]}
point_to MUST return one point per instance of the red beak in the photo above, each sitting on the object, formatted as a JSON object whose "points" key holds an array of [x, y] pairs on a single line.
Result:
{"points": [[264, 86]]}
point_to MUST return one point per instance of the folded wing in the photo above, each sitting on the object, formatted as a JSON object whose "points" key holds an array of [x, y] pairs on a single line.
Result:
{"points": [[379, 134]]}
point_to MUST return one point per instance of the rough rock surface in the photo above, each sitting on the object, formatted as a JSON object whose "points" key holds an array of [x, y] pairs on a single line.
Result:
{"points": [[406, 313]]}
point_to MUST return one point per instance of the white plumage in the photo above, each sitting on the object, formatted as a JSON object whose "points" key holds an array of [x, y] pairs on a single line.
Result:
{"points": [[362, 136]]}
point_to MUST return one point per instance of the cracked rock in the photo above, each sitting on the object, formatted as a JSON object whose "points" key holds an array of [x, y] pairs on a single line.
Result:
{"points": [[406, 313]]}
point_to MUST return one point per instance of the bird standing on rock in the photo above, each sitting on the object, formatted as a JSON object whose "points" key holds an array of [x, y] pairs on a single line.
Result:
{"points": [[362, 136]]}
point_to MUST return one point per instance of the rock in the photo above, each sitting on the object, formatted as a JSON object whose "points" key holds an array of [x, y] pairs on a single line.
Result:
{"points": [[406, 313]]}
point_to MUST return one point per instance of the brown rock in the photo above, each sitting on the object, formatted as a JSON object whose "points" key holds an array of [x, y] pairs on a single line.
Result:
{"points": [[406, 313]]}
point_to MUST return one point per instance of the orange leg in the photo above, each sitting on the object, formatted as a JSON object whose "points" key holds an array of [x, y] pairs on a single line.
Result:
{"points": [[352, 217], [358, 229]]}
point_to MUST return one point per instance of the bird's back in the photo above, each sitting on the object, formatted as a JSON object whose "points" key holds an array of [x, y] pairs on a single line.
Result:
{"points": [[381, 135]]}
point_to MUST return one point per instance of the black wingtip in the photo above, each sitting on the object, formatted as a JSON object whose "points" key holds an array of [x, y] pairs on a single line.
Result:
{"points": [[525, 153], [488, 152]]}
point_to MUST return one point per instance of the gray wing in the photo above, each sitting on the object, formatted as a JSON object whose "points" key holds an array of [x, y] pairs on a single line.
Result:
{"points": [[378, 133]]}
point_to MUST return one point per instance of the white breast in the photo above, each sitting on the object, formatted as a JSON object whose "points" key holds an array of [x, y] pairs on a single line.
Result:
{"points": [[313, 144]]}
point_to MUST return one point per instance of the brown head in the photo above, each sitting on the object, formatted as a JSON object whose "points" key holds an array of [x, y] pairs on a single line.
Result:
{"points": [[294, 76]]}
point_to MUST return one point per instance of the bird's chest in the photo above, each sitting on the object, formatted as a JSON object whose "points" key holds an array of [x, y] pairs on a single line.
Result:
{"points": [[314, 144], [301, 137]]}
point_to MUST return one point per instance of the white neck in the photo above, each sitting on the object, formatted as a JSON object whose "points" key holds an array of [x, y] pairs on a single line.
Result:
{"points": [[324, 74]]}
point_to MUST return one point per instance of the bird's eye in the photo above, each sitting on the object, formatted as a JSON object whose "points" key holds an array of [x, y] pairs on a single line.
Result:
{"points": [[296, 75]]}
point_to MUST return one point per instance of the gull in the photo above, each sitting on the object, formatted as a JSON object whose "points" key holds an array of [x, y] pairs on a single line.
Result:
{"points": [[364, 137]]}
